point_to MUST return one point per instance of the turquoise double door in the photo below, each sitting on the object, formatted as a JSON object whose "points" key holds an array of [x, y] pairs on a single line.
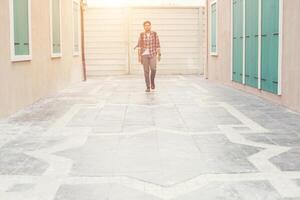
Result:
{"points": [[246, 60]]}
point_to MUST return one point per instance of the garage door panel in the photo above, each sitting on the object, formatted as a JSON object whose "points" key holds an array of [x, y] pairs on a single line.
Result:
{"points": [[106, 51], [104, 55], [179, 51], [171, 11], [179, 33], [167, 27], [106, 62], [169, 21], [104, 40], [108, 67], [157, 16], [175, 60], [92, 29], [103, 52], [179, 38], [107, 45], [167, 45], [103, 21], [115, 12]]}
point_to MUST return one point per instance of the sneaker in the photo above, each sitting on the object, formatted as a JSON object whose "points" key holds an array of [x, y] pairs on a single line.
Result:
{"points": [[152, 85], [147, 90]]}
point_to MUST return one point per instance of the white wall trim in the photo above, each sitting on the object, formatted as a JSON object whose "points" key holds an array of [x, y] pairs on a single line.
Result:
{"points": [[210, 14], [259, 43], [244, 42], [16, 58], [231, 42], [280, 48], [201, 39], [76, 53], [55, 55]]}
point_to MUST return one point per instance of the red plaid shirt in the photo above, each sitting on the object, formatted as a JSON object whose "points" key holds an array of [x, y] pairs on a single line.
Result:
{"points": [[151, 43]]}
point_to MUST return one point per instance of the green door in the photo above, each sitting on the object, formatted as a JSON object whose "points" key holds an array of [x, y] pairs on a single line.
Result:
{"points": [[270, 45], [251, 65], [237, 41]]}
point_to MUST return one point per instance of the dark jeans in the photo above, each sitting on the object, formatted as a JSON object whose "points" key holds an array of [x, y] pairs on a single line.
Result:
{"points": [[149, 64]]}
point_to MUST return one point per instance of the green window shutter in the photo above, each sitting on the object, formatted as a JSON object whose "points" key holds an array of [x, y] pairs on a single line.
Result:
{"points": [[214, 28], [270, 45], [21, 27], [238, 41], [252, 12], [56, 46], [76, 27]]}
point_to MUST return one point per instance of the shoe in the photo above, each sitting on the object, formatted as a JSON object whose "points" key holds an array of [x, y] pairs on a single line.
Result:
{"points": [[153, 87], [147, 90]]}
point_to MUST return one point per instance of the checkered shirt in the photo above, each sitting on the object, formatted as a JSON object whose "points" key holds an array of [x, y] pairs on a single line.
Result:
{"points": [[149, 43]]}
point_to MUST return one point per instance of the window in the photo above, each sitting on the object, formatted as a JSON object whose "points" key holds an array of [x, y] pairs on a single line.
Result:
{"points": [[76, 27], [20, 30], [55, 24], [213, 28]]}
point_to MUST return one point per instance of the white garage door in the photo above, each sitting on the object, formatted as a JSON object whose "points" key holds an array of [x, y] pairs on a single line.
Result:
{"points": [[106, 41], [112, 34]]}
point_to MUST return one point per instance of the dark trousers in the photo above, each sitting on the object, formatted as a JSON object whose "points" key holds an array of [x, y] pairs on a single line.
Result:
{"points": [[149, 64]]}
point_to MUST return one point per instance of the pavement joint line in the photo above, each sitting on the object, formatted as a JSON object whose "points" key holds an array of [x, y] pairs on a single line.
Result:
{"points": [[198, 87]]}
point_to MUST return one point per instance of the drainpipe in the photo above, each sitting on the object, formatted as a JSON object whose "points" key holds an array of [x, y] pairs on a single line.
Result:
{"points": [[82, 9]]}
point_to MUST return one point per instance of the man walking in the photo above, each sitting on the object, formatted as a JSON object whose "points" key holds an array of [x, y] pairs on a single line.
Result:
{"points": [[148, 54]]}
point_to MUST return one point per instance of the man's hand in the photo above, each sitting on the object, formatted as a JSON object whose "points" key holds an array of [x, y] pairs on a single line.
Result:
{"points": [[158, 57]]}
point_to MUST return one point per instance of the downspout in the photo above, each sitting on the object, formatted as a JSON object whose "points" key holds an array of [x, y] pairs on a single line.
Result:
{"points": [[82, 8], [207, 47]]}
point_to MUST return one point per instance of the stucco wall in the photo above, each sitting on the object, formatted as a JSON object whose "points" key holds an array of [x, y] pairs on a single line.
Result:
{"points": [[22, 83], [291, 51], [219, 67]]}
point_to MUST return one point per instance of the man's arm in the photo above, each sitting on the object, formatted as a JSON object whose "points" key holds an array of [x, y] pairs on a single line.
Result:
{"points": [[158, 47], [140, 49]]}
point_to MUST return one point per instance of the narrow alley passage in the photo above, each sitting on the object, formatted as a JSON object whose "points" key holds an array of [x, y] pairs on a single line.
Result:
{"points": [[190, 139]]}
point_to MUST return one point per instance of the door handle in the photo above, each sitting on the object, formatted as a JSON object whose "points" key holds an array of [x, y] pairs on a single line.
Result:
{"points": [[264, 35], [247, 75], [275, 33], [263, 79], [275, 82]]}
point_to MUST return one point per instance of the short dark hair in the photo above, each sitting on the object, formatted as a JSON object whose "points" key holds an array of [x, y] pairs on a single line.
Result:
{"points": [[146, 22]]}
